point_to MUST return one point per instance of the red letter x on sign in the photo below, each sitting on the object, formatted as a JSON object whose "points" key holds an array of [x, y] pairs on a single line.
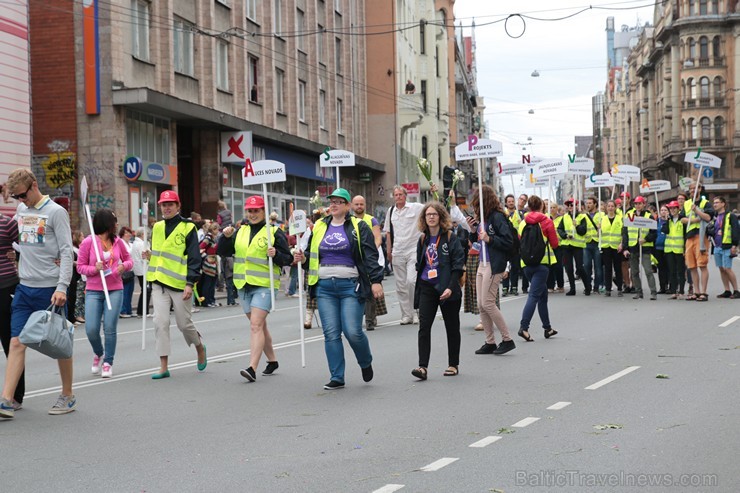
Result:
{"points": [[234, 147]]}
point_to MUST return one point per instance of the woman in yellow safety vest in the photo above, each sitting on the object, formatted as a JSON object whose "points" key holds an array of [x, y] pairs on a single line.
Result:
{"points": [[611, 237], [673, 250], [251, 250], [343, 272], [555, 276]]}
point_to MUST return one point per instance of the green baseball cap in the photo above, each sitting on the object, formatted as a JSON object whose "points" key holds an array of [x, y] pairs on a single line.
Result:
{"points": [[341, 193]]}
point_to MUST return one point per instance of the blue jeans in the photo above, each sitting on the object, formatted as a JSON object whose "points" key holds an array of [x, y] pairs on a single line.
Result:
{"points": [[537, 297], [209, 289], [341, 311], [95, 310], [128, 293], [592, 257], [293, 279]]}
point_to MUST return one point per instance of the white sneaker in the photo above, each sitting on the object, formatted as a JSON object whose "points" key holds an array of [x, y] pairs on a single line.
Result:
{"points": [[107, 371], [97, 361], [407, 321]]}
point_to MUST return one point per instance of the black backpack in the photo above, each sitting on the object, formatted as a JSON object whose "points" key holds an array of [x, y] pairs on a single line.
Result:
{"points": [[516, 244], [532, 245]]}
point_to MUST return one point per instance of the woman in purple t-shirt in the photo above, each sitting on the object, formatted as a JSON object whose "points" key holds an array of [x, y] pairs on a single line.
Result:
{"points": [[440, 260], [343, 273]]}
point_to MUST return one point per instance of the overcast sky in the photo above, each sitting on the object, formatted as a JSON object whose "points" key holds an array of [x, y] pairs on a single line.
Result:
{"points": [[569, 54]]}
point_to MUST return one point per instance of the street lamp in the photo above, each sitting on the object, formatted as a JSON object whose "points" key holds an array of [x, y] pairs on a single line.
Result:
{"points": [[535, 74]]}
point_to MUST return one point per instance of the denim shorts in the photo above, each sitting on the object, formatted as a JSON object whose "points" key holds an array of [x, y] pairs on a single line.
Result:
{"points": [[25, 302], [255, 297], [722, 258]]}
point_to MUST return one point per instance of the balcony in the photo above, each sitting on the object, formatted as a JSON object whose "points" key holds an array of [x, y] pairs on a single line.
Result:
{"points": [[705, 142], [690, 103], [719, 61], [691, 143], [704, 62], [719, 102], [704, 103], [720, 141]]}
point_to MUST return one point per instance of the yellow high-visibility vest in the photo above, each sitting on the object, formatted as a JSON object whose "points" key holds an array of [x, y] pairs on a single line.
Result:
{"points": [[319, 230], [168, 263], [674, 240], [251, 264], [611, 232]]}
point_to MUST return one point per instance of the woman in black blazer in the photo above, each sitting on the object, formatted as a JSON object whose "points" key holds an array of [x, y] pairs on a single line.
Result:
{"points": [[439, 265]]}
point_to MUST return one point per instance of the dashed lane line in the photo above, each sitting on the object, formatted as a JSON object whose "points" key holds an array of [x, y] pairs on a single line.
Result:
{"points": [[485, 442], [610, 379], [559, 405], [730, 321], [439, 464], [525, 422], [389, 488]]}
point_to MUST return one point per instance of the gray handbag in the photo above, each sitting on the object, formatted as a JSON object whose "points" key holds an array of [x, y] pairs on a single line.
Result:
{"points": [[49, 332]]}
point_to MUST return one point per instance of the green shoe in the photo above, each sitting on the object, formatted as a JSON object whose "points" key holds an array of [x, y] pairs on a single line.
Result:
{"points": [[202, 367], [159, 376]]}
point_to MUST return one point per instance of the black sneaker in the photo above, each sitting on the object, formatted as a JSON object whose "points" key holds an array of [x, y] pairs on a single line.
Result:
{"points": [[504, 347], [271, 367], [607, 294], [486, 349], [249, 374], [726, 294], [638, 296], [735, 295], [572, 292], [367, 373], [334, 385]]}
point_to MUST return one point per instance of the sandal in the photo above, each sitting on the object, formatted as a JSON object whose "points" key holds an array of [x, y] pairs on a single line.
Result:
{"points": [[550, 332], [420, 373], [451, 371], [526, 337], [690, 297], [702, 297]]}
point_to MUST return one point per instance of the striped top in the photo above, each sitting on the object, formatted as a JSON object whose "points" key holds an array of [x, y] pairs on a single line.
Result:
{"points": [[8, 234]]}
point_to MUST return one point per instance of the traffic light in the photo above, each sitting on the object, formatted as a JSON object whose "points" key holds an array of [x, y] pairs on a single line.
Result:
{"points": [[447, 173]]}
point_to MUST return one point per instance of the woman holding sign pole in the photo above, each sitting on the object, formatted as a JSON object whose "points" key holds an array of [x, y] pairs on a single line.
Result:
{"points": [[252, 277]]}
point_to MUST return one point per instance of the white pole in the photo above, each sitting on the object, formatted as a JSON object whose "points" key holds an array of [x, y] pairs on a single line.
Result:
{"points": [[549, 194], [481, 226], [144, 301], [269, 245], [599, 212], [338, 185], [97, 255], [301, 307], [512, 185]]}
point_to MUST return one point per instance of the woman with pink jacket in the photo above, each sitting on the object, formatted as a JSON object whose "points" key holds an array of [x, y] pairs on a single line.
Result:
{"points": [[114, 260]]}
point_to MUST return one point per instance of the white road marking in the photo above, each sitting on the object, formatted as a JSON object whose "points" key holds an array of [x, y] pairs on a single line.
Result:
{"points": [[525, 422], [389, 488], [439, 464], [485, 442], [610, 379], [149, 371], [730, 321], [559, 405]]}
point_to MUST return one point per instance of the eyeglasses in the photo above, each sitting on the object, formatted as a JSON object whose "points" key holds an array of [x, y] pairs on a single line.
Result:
{"points": [[22, 196], [431, 214], [337, 202]]}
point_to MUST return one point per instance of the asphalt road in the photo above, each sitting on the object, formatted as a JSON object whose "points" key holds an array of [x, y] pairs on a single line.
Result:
{"points": [[614, 425]]}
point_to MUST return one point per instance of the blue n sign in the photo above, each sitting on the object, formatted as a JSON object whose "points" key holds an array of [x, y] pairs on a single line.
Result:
{"points": [[132, 168]]}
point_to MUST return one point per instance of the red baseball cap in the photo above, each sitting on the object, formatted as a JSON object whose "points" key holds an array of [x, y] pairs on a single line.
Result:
{"points": [[625, 194], [618, 201], [168, 196], [254, 202], [639, 200], [673, 203]]}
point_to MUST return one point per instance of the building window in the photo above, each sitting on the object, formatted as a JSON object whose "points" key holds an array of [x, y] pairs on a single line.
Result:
{"points": [[422, 38], [424, 96], [279, 90], [338, 54], [693, 131], [222, 65], [704, 48], [717, 89], [183, 47], [254, 79], [277, 17], [251, 9], [140, 24], [302, 100], [692, 88], [706, 127], [300, 30], [147, 137], [692, 48], [716, 47], [340, 116], [320, 45], [338, 6], [703, 7], [322, 108], [719, 125], [704, 88], [715, 7], [692, 7], [424, 147], [436, 59]]}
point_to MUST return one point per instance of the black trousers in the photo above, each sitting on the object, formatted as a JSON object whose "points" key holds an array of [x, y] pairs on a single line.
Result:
{"points": [[5, 303], [555, 276], [570, 254], [612, 262], [139, 308], [428, 303], [676, 271], [662, 270]]}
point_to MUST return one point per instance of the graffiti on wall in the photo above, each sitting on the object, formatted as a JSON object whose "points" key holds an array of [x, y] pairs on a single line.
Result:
{"points": [[60, 169]]}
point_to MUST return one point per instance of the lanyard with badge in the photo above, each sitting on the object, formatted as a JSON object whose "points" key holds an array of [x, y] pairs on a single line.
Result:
{"points": [[432, 273]]}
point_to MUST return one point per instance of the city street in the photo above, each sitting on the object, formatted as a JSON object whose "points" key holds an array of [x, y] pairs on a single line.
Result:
{"points": [[583, 411]]}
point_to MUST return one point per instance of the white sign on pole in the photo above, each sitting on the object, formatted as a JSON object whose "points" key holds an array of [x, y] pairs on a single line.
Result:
{"points": [[265, 171], [621, 179], [656, 186], [640, 222], [596, 181], [236, 147], [703, 159], [83, 191], [475, 148], [336, 158], [539, 182], [550, 167], [298, 223], [684, 183], [512, 169], [581, 166], [631, 172]]}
